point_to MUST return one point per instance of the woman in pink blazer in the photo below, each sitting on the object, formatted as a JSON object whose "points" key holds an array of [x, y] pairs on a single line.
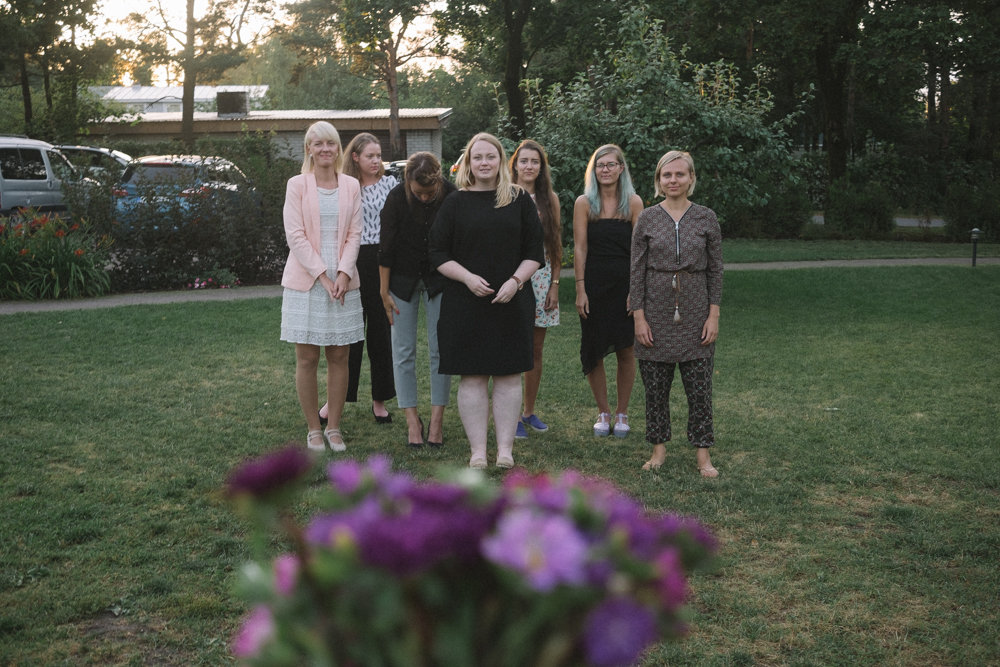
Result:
{"points": [[321, 303]]}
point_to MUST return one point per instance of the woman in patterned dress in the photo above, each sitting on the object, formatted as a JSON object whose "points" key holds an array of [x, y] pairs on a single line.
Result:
{"points": [[529, 167], [321, 304], [676, 289], [363, 161], [603, 217]]}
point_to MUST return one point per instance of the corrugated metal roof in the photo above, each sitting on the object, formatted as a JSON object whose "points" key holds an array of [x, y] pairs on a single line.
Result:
{"points": [[147, 94], [288, 114]]}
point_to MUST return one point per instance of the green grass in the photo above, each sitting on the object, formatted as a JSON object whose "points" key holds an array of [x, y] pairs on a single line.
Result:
{"points": [[769, 250], [857, 508]]}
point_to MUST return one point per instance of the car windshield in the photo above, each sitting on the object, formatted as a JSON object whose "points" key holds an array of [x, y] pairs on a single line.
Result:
{"points": [[224, 173], [161, 174]]}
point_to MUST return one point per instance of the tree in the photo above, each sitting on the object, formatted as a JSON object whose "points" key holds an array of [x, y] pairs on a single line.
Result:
{"points": [[208, 46], [514, 40], [648, 99], [375, 35]]}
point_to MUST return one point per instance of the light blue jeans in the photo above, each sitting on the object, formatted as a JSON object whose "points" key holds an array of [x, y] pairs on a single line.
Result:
{"points": [[404, 349]]}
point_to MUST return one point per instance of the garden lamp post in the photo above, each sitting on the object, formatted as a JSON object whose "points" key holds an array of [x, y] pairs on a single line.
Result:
{"points": [[975, 241]]}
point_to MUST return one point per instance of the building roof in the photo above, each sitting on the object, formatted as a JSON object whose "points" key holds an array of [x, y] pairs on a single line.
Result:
{"points": [[149, 94], [332, 115]]}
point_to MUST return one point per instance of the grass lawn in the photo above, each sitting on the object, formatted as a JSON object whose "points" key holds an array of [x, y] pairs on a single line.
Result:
{"points": [[857, 507]]}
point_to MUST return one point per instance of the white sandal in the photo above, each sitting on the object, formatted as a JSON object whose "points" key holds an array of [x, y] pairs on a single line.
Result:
{"points": [[621, 425], [315, 441], [335, 438], [603, 424]]}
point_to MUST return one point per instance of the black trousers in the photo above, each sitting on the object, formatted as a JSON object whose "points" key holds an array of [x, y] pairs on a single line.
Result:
{"points": [[378, 335], [657, 376]]}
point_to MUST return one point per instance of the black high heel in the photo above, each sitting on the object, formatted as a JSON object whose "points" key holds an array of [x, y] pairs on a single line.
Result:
{"points": [[386, 419], [418, 445]]}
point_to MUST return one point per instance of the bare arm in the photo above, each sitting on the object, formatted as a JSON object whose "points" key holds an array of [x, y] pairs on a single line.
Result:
{"points": [[581, 211]]}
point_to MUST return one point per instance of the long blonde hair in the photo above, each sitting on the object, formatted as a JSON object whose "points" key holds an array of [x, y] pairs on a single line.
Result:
{"points": [[321, 130], [507, 191]]}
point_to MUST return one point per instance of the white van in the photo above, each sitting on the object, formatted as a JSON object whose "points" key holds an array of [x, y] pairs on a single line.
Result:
{"points": [[31, 175]]}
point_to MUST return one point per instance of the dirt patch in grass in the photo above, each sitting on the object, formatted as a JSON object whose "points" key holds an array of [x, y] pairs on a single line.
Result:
{"points": [[107, 639]]}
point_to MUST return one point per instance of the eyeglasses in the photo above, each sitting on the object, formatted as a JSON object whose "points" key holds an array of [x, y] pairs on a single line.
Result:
{"points": [[604, 166]]}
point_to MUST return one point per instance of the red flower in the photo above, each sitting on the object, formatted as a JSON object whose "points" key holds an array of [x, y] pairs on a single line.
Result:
{"points": [[60, 233], [24, 251], [78, 252], [74, 227]]}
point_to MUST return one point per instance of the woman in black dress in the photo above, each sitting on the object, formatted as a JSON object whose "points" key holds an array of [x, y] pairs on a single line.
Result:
{"points": [[487, 241], [406, 279], [603, 217], [676, 289]]}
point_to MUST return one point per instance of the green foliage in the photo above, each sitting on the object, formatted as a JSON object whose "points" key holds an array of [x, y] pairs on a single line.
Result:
{"points": [[859, 210], [172, 245], [974, 205], [648, 99], [43, 257]]}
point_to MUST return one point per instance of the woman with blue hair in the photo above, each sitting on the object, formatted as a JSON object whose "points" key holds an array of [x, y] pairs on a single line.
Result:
{"points": [[603, 217]]}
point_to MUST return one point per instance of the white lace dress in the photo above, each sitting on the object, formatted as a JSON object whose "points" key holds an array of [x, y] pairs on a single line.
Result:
{"points": [[312, 317]]}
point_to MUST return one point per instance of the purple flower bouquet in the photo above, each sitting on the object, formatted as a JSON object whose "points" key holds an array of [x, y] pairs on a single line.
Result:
{"points": [[546, 570]]}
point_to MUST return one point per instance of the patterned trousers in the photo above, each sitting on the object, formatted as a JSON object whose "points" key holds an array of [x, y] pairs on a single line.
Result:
{"points": [[657, 376]]}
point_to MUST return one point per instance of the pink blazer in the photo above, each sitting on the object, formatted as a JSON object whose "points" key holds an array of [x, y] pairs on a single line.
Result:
{"points": [[301, 215]]}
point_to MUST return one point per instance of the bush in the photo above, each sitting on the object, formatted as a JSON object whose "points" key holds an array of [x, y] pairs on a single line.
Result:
{"points": [[648, 99], [171, 247], [970, 206], [859, 211], [43, 257]]}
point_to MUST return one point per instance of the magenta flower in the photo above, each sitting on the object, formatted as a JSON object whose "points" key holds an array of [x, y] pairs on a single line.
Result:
{"points": [[547, 550], [286, 573], [268, 474], [617, 632], [257, 630]]}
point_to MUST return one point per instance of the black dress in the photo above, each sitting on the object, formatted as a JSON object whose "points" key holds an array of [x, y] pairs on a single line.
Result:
{"points": [[477, 337], [608, 327]]}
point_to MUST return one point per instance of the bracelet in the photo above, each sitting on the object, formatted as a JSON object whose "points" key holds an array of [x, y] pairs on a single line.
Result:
{"points": [[555, 282], [579, 280], [520, 285]]}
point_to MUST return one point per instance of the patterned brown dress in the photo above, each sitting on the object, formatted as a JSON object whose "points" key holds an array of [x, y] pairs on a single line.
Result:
{"points": [[696, 261]]}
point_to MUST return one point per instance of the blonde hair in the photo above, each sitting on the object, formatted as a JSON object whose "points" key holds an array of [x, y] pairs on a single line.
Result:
{"points": [[358, 145], [667, 158], [592, 189], [507, 190], [321, 130]]}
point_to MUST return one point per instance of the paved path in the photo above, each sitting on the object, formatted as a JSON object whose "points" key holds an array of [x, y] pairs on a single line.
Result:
{"points": [[268, 291]]}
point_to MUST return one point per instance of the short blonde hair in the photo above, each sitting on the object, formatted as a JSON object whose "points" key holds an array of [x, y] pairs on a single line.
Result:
{"points": [[320, 130], [506, 189], [667, 158]]}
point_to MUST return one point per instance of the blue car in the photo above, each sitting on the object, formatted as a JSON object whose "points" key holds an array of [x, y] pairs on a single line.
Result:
{"points": [[183, 189]]}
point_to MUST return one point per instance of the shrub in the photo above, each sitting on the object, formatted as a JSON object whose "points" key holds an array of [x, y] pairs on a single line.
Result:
{"points": [[975, 205], [859, 211], [648, 99], [43, 257], [172, 246]]}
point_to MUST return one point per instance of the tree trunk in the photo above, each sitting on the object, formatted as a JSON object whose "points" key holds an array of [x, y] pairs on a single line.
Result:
{"points": [[397, 151], [26, 94], [515, 18], [190, 80]]}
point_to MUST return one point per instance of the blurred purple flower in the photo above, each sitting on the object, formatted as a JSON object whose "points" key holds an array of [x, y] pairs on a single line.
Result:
{"points": [[617, 632], [257, 630], [672, 583], [547, 550], [286, 573], [345, 476], [263, 476]]}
